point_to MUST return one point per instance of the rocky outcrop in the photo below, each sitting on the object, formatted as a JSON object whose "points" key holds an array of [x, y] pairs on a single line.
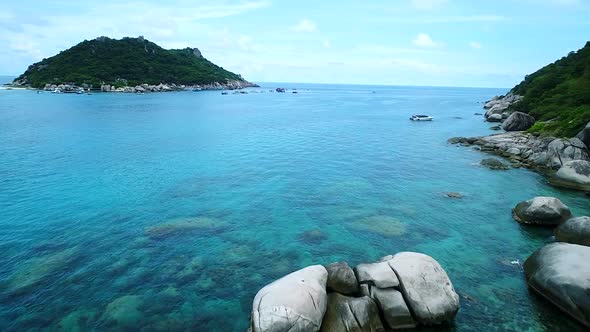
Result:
{"points": [[527, 150], [574, 174], [574, 231], [341, 279], [559, 272], [542, 211], [500, 104], [400, 291], [518, 121], [351, 314], [297, 302]]}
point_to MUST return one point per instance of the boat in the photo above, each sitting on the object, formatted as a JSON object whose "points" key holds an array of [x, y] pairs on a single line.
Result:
{"points": [[420, 117], [280, 89], [224, 93]]}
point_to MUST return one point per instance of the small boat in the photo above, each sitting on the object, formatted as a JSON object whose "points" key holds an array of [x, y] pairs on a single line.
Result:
{"points": [[420, 117], [280, 89], [224, 93]]}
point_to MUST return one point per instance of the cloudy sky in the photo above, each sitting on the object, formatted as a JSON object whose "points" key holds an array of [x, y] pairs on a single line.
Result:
{"points": [[399, 42]]}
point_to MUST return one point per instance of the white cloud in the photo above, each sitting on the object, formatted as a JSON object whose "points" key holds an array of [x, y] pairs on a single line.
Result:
{"points": [[305, 26], [327, 44], [475, 45], [423, 40], [428, 4]]}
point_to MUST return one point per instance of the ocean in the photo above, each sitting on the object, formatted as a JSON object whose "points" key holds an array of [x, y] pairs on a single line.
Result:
{"points": [[169, 211]]}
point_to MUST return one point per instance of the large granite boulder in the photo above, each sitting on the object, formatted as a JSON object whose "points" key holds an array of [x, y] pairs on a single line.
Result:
{"points": [[584, 135], [341, 279], [575, 231], [560, 272], [425, 286], [395, 311], [296, 302], [542, 211], [574, 174], [518, 121], [345, 313], [560, 151], [378, 274]]}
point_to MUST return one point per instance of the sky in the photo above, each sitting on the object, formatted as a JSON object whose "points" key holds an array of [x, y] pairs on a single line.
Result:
{"points": [[391, 42]]}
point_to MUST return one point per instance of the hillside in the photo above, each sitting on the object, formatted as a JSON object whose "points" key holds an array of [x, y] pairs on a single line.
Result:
{"points": [[128, 61], [558, 95]]}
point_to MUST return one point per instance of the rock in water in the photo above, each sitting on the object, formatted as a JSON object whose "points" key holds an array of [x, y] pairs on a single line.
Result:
{"points": [[341, 279], [560, 273], [494, 164], [296, 302], [379, 274], [494, 118], [575, 231], [426, 287], [518, 121], [351, 314], [394, 308], [542, 211], [574, 174]]}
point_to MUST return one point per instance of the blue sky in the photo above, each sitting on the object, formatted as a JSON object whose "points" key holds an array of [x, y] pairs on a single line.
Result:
{"points": [[398, 42]]}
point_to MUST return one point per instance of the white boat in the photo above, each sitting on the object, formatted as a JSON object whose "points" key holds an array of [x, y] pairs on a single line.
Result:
{"points": [[420, 117]]}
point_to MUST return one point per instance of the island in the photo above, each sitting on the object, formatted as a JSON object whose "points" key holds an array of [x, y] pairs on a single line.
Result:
{"points": [[128, 65]]}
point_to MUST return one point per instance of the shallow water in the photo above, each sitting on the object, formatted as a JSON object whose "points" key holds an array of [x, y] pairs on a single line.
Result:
{"points": [[169, 211]]}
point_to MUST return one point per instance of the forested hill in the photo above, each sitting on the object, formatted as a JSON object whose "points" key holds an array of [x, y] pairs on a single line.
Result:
{"points": [[558, 95], [128, 61]]}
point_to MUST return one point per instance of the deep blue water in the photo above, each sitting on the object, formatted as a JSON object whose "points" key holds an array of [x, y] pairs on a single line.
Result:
{"points": [[169, 211]]}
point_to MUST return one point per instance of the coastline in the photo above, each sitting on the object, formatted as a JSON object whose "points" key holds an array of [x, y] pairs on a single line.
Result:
{"points": [[141, 88]]}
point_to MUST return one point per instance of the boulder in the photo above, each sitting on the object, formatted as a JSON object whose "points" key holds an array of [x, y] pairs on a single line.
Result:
{"points": [[493, 163], [518, 121], [296, 302], [351, 314], [425, 286], [574, 174], [560, 151], [559, 272], [494, 118], [584, 135], [394, 308], [542, 211], [575, 231], [513, 151], [379, 274], [341, 279]]}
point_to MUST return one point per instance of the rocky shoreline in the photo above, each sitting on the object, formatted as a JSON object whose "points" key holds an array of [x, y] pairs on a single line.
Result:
{"points": [[566, 161], [146, 88]]}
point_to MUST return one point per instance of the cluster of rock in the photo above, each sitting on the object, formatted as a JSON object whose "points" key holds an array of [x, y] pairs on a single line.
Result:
{"points": [[229, 85], [400, 291], [559, 271], [142, 88], [570, 157], [497, 107]]}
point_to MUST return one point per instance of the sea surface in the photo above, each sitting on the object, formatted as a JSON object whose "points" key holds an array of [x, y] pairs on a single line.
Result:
{"points": [[169, 211]]}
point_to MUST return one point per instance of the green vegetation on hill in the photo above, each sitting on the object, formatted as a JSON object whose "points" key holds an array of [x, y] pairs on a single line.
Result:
{"points": [[128, 61], [558, 95]]}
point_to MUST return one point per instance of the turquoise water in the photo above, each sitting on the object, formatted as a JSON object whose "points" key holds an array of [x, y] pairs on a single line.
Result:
{"points": [[169, 211]]}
